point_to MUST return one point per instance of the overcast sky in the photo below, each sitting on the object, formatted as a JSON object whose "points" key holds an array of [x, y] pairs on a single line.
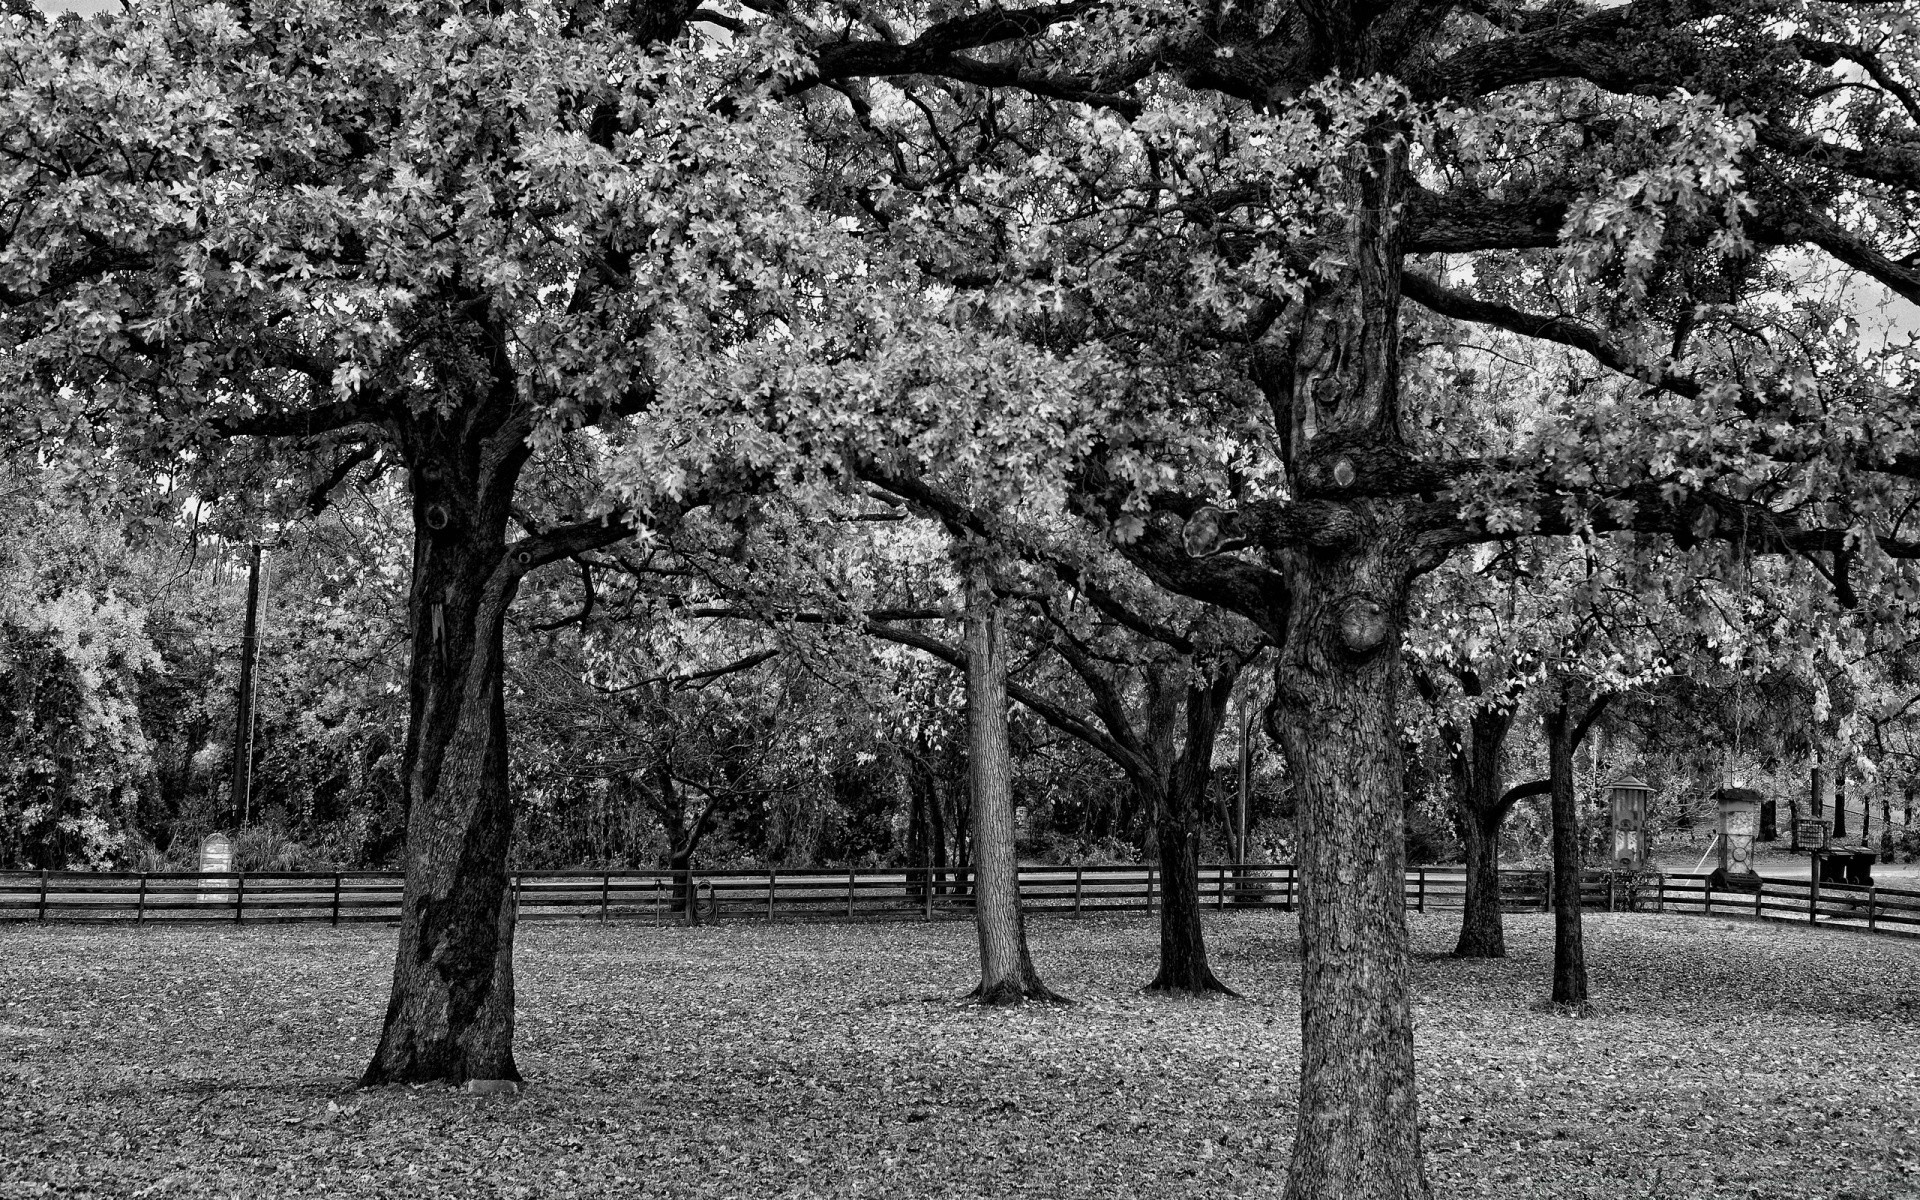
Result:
{"points": [[85, 8]]}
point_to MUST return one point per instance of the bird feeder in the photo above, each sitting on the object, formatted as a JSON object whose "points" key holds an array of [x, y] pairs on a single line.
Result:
{"points": [[1739, 826], [1627, 804]]}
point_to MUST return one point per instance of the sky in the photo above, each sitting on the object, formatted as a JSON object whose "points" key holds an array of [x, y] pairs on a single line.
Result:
{"points": [[85, 8]]}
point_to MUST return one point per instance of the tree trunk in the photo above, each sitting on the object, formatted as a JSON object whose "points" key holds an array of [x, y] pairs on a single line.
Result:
{"points": [[1482, 931], [1839, 802], [936, 811], [919, 855], [1006, 969], [1358, 1135], [1178, 804], [451, 1013], [1569, 956]]}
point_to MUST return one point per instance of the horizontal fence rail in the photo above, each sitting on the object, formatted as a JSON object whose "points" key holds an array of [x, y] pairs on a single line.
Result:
{"points": [[892, 893]]}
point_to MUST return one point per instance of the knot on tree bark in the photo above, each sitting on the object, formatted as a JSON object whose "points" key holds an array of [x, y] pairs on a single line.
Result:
{"points": [[1363, 624]]}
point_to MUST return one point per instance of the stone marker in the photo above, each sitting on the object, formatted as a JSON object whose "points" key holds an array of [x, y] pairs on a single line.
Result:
{"points": [[216, 858], [493, 1087]]}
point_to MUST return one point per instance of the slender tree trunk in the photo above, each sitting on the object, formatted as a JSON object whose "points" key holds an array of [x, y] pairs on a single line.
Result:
{"points": [[1569, 956], [936, 811], [1178, 805], [1006, 968], [1840, 802], [451, 1012]]}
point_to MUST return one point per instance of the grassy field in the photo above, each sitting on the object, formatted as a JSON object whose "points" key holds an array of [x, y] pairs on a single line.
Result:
{"points": [[1726, 1060]]}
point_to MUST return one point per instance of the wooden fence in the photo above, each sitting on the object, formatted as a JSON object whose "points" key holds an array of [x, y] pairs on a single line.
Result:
{"points": [[906, 893]]}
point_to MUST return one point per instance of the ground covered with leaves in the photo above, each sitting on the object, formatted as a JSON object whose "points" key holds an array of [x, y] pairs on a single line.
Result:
{"points": [[1724, 1060]]}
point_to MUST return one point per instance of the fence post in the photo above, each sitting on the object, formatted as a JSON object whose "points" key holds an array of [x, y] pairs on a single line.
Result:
{"points": [[239, 897], [1757, 894], [140, 914], [1079, 873], [1872, 901], [336, 898], [1421, 898], [1289, 904], [1813, 899], [1219, 887], [1706, 892], [850, 891], [773, 883], [1546, 891], [926, 893], [43, 893], [1660, 894], [1149, 890], [1610, 876]]}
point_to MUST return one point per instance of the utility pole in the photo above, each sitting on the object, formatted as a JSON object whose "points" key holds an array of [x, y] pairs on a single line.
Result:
{"points": [[243, 709], [1246, 772]]}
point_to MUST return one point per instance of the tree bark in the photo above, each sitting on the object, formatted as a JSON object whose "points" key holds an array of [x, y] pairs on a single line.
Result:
{"points": [[1007, 975], [450, 1016], [1839, 802], [1569, 955], [1337, 681], [1482, 931], [1358, 1136], [1183, 945]]}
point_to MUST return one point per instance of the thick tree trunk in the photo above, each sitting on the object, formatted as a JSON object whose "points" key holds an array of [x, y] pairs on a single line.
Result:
{"points": [[1337, 679], [1569, 955], [1482, 931], [450, 1017], [1006, 969], [1358, 1135]]}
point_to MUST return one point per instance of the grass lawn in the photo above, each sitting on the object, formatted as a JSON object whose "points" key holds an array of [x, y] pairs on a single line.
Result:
{"points": [[1727, 1060]]}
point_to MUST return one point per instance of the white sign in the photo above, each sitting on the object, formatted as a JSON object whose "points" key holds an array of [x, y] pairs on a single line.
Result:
{"points": [[216, 858]]}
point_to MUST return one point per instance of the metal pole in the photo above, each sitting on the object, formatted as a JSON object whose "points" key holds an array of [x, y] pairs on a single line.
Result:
{"points": [[1246, 773], [243, 706]]}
